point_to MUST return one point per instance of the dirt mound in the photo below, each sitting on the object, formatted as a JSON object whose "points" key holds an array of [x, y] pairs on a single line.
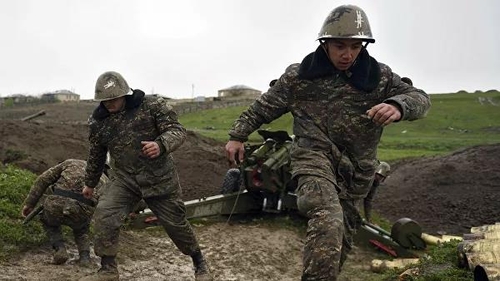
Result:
{"points": [[201, 164], [36, 146], [449, 193]]}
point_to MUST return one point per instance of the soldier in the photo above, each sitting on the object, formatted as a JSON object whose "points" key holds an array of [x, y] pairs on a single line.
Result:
{"points": [[64, 205], [340, 98], [381, 174], [140, 133]]}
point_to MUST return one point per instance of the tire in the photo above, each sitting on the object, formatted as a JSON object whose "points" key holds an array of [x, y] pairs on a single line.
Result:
{"points": [[232, 181]]}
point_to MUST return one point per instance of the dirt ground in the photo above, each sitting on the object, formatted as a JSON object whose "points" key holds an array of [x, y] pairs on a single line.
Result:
{"points": [[443, 194]]}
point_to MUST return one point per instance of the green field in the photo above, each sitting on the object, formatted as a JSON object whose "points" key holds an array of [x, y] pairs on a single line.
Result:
{"points": [[454, 121]]}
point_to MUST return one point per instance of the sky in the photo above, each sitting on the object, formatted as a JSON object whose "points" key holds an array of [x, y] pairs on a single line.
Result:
{"points": [[190, 48]]}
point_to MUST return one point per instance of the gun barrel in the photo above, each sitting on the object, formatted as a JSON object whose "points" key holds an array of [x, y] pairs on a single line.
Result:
{"points": [[278, 158], [33, 213], [261, 151]]}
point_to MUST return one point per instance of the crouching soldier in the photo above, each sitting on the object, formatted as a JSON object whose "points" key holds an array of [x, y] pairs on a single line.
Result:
{"points": [[64, 204]]}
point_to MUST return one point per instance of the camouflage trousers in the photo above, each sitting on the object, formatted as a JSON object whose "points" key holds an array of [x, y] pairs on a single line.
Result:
{"points": [[331, 227], [120, 197], [58, 211]]}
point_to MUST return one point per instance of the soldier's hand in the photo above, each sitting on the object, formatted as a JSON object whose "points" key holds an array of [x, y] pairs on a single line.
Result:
{"points": [[26, 211], [235, 151], [384, 114], [88, 192], [151, 149]]}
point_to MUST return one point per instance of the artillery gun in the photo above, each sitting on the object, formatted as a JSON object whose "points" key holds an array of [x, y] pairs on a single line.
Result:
{"points": [[263, 183]]}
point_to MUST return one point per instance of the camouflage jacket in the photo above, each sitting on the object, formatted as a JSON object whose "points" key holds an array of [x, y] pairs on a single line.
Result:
{"points": [[121, 133], [67, 175], [334, 138]]}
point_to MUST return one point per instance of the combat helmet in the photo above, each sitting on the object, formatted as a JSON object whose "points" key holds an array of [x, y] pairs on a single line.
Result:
{"points": [[111, 85], [346, 22], [383, 169]]}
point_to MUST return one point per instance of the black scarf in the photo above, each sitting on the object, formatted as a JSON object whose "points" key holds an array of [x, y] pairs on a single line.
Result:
{"points": [[131, 101], [364, 73]]}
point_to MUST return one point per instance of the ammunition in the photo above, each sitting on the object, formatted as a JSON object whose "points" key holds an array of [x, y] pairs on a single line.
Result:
{"points": [[487, 272], [381, 265], [480, 246], [485, 228], [482, 258]]}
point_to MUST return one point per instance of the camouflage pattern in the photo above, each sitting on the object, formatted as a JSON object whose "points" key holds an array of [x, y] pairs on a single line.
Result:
{"points": [[136, 176], [344, 22], [121, 133], [111, 85], [334, 138], [119, 199], [407, 80], [331, 226], [58, 210], [336, 144]]}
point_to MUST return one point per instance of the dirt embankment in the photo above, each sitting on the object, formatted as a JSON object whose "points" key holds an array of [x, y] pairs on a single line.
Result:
{"points": [[448, 193]]}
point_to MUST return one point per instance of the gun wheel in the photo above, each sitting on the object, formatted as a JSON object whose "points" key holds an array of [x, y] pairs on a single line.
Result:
{"points": [[232, 181]]}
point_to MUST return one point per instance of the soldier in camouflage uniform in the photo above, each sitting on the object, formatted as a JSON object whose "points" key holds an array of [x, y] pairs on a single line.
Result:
{"points": [[381, 174], [140, 134], [340, 98], [64, 205]]}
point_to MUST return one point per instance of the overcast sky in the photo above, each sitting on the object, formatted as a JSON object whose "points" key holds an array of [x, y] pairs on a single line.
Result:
{"points": [[166, 47]]}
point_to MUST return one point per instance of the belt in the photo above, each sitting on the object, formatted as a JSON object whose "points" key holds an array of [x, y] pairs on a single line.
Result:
{"points": [[73, 195]]}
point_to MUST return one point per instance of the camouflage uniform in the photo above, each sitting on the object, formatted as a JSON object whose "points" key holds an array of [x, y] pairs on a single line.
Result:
{"points": [[136, 176], [65, 178], [335, 147]]}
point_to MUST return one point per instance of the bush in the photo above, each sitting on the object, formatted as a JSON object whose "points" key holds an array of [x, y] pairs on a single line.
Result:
{"points": [[14, 186]]}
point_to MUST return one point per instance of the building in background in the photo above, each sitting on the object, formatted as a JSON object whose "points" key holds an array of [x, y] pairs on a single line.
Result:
{"points": [[62, 96], [239, 91]]}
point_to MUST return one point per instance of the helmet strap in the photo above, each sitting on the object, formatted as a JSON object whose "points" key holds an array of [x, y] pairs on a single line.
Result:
{"points": [[362, 48], [325, 48]]}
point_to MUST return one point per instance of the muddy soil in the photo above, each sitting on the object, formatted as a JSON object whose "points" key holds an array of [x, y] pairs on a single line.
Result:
{"points": [[444, 194]]}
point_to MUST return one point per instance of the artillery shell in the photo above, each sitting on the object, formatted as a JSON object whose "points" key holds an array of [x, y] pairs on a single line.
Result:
{"points": [[485, 228], [487, 272], [474, 259]]}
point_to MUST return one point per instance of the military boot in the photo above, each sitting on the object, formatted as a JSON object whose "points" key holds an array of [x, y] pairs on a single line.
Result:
{"points": [[84, 259], [60, 254], [201, 271], [107, 272]]}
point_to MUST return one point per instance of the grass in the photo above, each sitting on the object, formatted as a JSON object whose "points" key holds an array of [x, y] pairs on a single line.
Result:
{"points": [[14, 236], [440, 264]]}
